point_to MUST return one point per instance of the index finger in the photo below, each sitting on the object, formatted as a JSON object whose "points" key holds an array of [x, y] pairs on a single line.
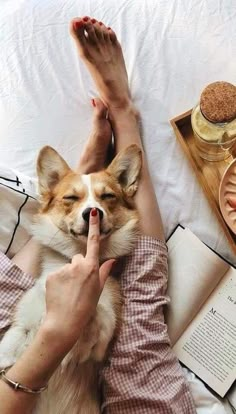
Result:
{"points": [[93, 235]]}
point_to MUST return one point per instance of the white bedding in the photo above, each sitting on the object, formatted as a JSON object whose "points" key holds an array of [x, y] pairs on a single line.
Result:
{"points": [[172, 49]]}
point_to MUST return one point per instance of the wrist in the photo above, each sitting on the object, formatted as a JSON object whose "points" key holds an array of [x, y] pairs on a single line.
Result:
{"points": [[59, 339], [40, 360]]}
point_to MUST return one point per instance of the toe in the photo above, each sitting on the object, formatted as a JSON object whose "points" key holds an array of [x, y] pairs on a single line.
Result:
{"points": [[98, 27], [100, 110], [112, 35], [91, 33], [106, 35], [76, 28]]}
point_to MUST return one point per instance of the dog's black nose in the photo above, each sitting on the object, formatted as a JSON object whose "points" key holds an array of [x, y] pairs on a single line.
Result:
{"points": [[86, 214]]}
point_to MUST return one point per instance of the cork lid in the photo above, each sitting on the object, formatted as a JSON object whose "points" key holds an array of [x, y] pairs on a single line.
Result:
{"points": [[218, 102]]}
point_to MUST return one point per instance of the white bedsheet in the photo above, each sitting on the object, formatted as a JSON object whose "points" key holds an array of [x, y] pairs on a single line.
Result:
{"points": [[172, 49]]}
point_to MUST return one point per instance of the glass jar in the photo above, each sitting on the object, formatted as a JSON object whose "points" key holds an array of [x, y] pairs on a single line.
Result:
{"points": [[215, 128]]}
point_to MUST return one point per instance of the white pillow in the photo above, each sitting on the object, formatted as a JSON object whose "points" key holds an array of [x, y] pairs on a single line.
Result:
{"points": [[18, 204]]}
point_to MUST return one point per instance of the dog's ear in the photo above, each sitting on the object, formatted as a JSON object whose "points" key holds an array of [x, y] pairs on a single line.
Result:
{"points": [[51, 168], [126, 168]]}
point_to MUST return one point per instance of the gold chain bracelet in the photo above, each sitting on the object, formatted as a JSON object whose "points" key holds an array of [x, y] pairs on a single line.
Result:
{"points": [[19, 387]]}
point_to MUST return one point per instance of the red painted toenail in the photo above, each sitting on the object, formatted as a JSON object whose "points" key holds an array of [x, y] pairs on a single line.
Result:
{"points": [[93, 102], [77, 25], [85, 19], [93, 20], [101, 23], [109, 28]]}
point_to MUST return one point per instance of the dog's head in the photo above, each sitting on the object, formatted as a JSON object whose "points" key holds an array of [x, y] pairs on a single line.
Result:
{"points": [[68, 197]]}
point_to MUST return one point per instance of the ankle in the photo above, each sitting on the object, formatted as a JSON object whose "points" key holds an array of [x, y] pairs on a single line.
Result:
{"points": [[126, 110], [126, 125]]}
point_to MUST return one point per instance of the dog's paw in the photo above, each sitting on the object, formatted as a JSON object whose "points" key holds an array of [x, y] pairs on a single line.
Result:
{"points": [[8, 352], [13, 344], [7, 360]]}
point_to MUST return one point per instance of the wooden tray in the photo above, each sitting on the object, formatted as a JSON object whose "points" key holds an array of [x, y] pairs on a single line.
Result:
{"points": [[208, 173]]}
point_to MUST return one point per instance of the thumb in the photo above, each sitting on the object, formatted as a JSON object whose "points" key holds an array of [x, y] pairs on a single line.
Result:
{"points": [[105, 270]]}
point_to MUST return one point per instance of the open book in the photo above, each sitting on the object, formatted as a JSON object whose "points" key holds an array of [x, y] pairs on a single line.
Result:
{"points": [[201, 317]]}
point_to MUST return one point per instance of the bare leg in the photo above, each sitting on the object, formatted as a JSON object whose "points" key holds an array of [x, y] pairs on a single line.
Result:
{"points": [[94, 155], [101, 52]]}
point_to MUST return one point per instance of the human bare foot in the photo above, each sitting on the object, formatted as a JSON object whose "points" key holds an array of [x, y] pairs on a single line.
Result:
{"points": [[95, 153], [101, 52]]}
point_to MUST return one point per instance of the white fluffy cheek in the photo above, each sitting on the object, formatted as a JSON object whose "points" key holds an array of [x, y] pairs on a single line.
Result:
{"points": [[56, 220], [110, 219], [75, 219], [60, 220]]}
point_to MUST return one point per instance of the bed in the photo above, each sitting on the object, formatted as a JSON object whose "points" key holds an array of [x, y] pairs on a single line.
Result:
{"points": [[172, 49]]}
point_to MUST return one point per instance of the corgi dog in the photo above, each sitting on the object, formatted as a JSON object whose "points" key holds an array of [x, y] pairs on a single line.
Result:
{"points": [[61, 227]]}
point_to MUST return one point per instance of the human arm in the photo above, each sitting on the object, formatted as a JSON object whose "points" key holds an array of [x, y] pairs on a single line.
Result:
{"points": [[72, 294]]}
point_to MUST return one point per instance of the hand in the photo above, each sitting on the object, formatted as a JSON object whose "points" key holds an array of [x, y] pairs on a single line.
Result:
{"points": [[72, 292]]}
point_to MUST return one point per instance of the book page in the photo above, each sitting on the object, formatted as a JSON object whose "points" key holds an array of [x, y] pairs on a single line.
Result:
{"points": [[194, 271], [208, 346]]}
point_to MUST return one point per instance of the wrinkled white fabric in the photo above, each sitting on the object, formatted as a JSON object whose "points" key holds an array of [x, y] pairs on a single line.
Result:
{"points": [[172, 50], [206, 402]]}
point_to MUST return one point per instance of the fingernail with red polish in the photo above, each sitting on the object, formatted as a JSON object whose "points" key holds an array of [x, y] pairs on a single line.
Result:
{"points": [[93, 102], [85, 19], [109, 28], [93, 20], [94, 212], [101, 23]]}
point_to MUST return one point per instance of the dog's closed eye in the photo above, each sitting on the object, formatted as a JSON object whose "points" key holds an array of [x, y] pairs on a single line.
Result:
{"points": [[71, 197], [107, 196]]}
